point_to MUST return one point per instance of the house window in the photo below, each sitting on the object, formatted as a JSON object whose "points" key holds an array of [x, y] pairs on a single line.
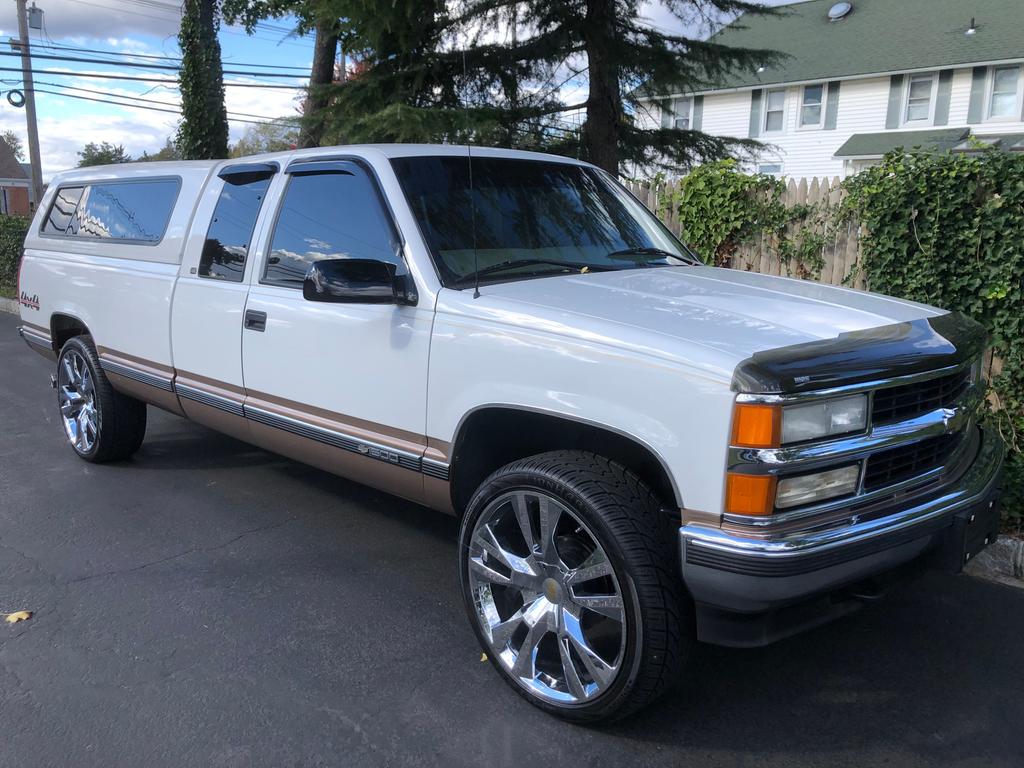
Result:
{"points": [[681, 111], [1004, 100], [676, 113], [771, 169], [774, 110], [810, 106], [919, 99]]}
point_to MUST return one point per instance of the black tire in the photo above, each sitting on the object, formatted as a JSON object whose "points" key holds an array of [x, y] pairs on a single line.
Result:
{"points": [[120, 423], [625, 518]]}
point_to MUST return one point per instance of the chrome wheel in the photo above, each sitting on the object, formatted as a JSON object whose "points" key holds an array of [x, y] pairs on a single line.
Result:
{"points": [[547, 598], [77, 397]]}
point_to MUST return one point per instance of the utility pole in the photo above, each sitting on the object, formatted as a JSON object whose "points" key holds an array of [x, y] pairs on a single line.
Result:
{"points": [[30, 105]]}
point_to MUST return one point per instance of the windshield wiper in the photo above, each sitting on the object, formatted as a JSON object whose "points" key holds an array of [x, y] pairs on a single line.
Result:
{"points": [[518, 263], [661, 253]]}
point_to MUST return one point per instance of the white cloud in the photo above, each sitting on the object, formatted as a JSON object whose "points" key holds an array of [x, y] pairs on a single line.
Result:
{"points": [[93, 19]]}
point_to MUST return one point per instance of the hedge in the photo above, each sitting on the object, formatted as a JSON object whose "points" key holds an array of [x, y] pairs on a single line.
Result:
{"points": [[947, 229], [12, 238]]}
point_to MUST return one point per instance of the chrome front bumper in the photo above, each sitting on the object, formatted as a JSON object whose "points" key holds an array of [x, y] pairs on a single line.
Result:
{"points": [[750, 574]]}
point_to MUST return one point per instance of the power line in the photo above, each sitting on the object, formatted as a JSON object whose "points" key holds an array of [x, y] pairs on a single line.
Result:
{"points": [[139, 79], [134, 98], [177, 16], [141, 106], [57, 46], [137, 65]]}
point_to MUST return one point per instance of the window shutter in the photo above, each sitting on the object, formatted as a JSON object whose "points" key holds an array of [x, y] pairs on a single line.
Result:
{"points": [[975, 107], [697, 113], [666, 113], [892, 114], [755, 113], [942, 97], [832, 105]]}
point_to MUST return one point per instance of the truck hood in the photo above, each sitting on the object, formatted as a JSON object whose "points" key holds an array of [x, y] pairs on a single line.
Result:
{"points": [[707, 317]]}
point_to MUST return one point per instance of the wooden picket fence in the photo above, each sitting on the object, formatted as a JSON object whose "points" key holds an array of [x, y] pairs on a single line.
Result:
{"points": [[840, 254]]}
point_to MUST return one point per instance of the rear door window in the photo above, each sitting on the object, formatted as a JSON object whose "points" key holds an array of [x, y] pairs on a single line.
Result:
{"points": [[230, 234]]}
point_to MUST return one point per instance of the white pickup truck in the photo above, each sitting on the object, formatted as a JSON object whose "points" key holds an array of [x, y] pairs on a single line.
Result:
{"points": [[643, 450]]}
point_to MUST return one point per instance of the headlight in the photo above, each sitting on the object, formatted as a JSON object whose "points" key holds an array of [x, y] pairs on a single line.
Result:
{"points": [[824, 418], [805, 489]]}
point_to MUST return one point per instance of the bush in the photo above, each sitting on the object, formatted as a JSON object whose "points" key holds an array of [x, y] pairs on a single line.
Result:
{"points": [[720, 209], [12, 239], [945, 229]]}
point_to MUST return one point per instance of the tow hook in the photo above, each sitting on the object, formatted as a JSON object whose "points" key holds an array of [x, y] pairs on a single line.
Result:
{"points": [[53, 381]]}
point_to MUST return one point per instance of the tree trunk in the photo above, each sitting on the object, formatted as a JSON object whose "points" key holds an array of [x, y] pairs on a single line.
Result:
{"points": [[601, 131], [203, 131], [325, 49]]}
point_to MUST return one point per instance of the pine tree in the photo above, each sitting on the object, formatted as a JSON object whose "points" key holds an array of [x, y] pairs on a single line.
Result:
{"points": [[491, 71], [203, 132]]}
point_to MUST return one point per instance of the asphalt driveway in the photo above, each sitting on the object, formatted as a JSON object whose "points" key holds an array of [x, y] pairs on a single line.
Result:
{"points": [[209, 604]]}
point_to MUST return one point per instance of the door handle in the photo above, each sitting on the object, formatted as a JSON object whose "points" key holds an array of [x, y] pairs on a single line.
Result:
{"points": [[255, 321]]}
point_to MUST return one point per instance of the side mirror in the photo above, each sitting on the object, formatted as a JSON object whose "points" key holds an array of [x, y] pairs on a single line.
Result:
{"points": [[357, 281]]}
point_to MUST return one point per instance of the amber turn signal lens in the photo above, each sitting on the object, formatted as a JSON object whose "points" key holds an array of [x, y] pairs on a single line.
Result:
{"points": [[749, 494], [756, 426]]}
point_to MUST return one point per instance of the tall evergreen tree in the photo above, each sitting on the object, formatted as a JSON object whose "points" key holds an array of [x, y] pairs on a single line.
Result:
{"points": [[203, 132], [492, 71]]}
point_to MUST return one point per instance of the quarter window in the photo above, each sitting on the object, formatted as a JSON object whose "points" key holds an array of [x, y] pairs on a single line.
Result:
{"points": [[230, 233], [62, 210], [810, 106], [775, 110], [1004, 101], [919, 98], [328, 215]]}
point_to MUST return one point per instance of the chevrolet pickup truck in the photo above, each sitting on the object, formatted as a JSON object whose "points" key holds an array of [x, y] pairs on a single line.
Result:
{"points": [[643, 451]]}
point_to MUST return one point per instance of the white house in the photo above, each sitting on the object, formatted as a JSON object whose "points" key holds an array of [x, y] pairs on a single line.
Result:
{"points": [[860, 78]]}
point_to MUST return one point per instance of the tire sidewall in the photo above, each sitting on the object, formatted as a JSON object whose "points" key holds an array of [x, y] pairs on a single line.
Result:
{"points": [[84, 350], [503, 482]]}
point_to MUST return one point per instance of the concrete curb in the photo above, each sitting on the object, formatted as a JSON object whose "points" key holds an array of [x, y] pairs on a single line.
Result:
{"points": [[8, 305], [1002, 562]]}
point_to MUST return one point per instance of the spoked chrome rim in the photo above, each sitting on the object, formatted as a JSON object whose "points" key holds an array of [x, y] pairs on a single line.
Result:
{"points": [[547, 598], [77, 397]]}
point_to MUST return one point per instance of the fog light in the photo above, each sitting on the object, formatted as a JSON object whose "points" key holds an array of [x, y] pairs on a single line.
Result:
{"points": [[795, 491]]}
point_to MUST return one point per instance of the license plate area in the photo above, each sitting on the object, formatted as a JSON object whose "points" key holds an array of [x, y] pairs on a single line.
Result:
{"points": [[972, 530]]}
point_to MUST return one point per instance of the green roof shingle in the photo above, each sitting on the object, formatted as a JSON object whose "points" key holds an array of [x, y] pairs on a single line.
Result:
{"points": [[877, 144], [878, 36]]}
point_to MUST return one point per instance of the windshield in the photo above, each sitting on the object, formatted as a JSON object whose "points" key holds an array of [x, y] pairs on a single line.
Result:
{"points": [[529, 218]]}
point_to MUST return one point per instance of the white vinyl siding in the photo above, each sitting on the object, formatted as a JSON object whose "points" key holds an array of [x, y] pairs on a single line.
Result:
{"points": [[862, 108]]}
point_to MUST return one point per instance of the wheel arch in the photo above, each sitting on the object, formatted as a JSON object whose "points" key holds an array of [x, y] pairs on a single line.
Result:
{"points": [[64, 326], [476, 453]]}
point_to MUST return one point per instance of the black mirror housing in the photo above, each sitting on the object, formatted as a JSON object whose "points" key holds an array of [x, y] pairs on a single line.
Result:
{"points": [[357, 281]]}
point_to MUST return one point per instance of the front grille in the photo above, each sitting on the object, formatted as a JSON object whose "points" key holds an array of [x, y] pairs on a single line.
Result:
{"points": [[907, 461], [910, 400]]}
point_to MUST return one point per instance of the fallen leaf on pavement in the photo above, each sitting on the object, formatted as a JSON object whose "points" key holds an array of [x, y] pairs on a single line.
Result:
{"points": [[483, 656], [14, 618]]}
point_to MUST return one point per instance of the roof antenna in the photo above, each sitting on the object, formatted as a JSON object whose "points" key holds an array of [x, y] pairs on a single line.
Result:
{"points": [[472, 197]]}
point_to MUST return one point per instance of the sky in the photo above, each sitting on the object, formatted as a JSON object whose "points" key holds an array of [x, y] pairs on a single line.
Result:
{"points": [[149, 28], [146, 27]]}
